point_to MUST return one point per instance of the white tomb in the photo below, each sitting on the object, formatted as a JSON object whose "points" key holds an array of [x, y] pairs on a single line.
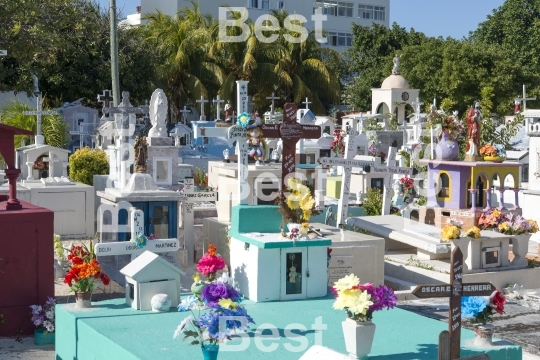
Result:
{"points": [[149, 275], [36, 161]]}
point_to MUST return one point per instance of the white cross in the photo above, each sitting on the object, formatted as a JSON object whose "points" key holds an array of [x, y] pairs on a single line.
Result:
{"points": [[524, 98], [432, 130], [242, 96], [187, 212], [307, 102], [405, 127], [218, 101], [39, 140], [184, 112], [390, 170], [202, 101], [417, 108], [273, 97]]}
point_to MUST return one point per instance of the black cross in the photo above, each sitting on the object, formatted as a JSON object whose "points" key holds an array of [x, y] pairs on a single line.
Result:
{"points": [[105, 99]]}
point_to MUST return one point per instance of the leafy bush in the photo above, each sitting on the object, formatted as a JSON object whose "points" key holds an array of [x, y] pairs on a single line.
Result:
{"points": [[373, 202], [86, 163]]}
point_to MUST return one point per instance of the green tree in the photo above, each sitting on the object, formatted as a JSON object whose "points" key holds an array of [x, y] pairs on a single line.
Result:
{"points": [[86, 163], [54, 128]]}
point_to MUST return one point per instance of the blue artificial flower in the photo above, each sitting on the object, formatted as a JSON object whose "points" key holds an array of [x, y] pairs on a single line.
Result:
{"points": [[210, 322], [140, 240], [244, 119], [501, 152], [472, 305], [188, 303]]}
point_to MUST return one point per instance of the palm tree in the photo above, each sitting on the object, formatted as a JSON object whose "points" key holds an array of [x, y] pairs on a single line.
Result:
{"points": [[54, 128], [182, 42], [302, 72]]}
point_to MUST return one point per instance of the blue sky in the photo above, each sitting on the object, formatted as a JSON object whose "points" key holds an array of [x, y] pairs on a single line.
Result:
{"points": [[444, 18]]}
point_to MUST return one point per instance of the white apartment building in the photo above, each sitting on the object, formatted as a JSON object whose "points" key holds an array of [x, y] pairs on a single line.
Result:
{"points": [[341, 14]]}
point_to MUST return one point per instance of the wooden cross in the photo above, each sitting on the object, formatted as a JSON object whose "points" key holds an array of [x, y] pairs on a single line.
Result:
{"points": [[202, 102], [290, 132], [187, 213], [444, 349], [39, 140], [524, 98], [184, 112], [218, 102], [125, 126], [272, 107], [307, 102], [455, 290]]}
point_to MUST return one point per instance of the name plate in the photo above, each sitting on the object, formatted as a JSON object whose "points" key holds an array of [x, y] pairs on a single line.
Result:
{"points": [[129, 248], [201, 196]]}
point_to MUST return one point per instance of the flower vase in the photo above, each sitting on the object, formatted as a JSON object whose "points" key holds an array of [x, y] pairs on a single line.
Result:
{"points": [[42, 337], [495, 159], [447, 149], [83, 299], [483, 335], [358, 337], [210, 351], [292, 226], [196, 289], [520, 247]]}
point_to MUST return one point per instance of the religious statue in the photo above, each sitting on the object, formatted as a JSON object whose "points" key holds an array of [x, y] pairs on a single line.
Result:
{"points": [[517, 106], [257, 144], [329, 216], [292, 274], [141, 154], [36, 83], [395, 69], [474, 130], [228, 112], [158, 114], [359, 197]]}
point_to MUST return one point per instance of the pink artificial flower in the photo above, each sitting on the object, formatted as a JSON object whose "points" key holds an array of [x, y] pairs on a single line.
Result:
{"points": [[210, 264]]}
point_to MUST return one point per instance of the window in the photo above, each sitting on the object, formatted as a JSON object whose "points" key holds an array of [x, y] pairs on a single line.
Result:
{"points": [[444, 185], [280, 5], [328, 7], [339, 39], [345, 9], [371, 12], [266, 4], [254, 4]]}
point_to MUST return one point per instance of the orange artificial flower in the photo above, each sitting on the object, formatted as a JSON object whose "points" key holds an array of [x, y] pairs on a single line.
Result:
{"points": [[212, 249]]}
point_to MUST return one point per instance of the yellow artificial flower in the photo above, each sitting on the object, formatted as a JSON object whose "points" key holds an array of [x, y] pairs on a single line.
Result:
{"points": [[496, 213], [347, 282], [450, 232], [293, 184], [473, 232], [304, 229], [227, 304], [360, 302], [534, 226], [196, 277], [307, 203], [503, 227]]}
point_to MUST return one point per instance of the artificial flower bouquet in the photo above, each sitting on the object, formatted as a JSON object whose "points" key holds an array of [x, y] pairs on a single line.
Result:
{"points": [[222, 300], [491, 219], [84, 269], [43, 316], [473, 232], [492, 150], [481, 309], [443, 123], [210, 263], [407, 183], [452, 230], [514, 224], [297, 204], [373, 150], [360, 301], [338, 144]]}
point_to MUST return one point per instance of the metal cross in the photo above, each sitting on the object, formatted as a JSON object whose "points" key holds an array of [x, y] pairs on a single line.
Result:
{"points": [[524, 98], [218, 102], [273, 97], [184, 112], [307, 102], [105, 99], [202, 101], [39, 112]]}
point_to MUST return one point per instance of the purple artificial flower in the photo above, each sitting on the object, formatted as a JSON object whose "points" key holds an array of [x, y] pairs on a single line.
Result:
{"points": [[382, 297], [212, 293]]}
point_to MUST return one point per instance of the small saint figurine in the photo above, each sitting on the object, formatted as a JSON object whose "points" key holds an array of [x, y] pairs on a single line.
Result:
{"points": [[292, 274], [141, 154], [474, 128], [228, 112], [395, 69]]}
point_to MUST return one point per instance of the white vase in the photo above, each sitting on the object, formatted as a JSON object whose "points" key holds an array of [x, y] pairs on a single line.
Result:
{"points": [[483, 335], [520, 247], [292, 226], [358, 337]]}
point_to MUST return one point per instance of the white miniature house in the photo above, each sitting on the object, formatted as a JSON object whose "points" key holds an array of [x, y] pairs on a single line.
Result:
{"points": [[41, 161], [148, 275], [265, 267]]}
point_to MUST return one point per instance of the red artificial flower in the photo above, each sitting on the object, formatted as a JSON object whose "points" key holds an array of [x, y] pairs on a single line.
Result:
{"points": [[105, 279], [363, 287], [328, 251], [76, 260], [334, 291], [497, 301]]}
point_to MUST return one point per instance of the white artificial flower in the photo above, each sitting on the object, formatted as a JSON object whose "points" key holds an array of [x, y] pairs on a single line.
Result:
{"points": [[50, 328], [182, 326], [50, 314], [225, 279]]}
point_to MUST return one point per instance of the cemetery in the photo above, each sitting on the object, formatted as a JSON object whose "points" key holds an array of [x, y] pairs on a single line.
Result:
{"points": [[200, 213]]}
